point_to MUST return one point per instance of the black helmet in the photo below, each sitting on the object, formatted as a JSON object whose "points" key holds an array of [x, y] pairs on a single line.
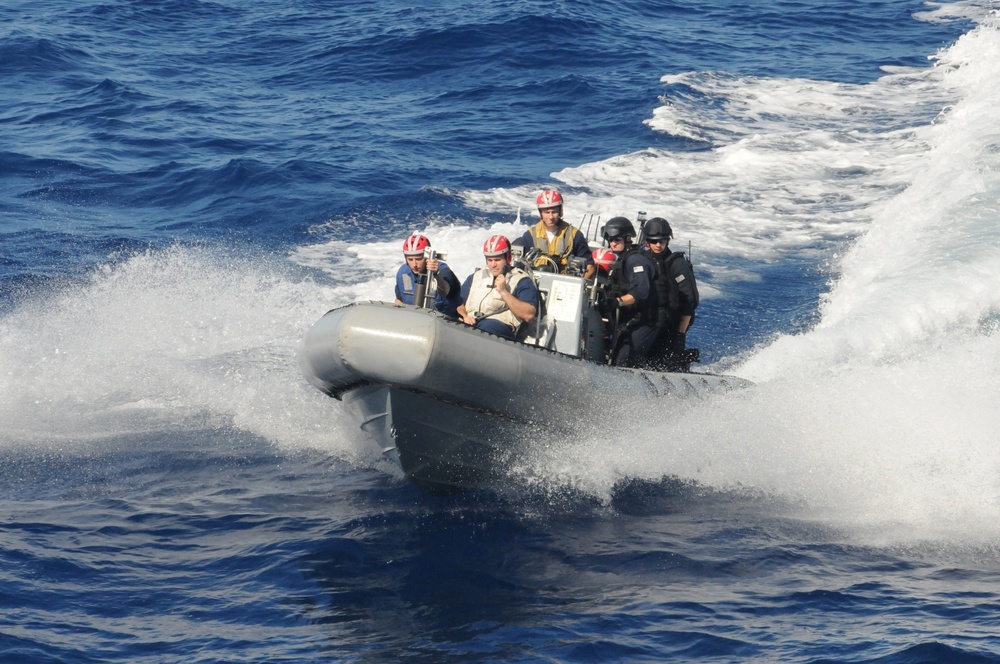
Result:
{"points": [[657, 228], [618, 227]]}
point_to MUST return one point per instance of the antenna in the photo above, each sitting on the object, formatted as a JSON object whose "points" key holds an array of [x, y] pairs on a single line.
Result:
{"points": [[590, 222]]}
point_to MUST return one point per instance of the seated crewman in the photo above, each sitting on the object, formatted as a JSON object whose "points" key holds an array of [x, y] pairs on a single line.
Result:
{"points": [[498, 298], [417, 266]]}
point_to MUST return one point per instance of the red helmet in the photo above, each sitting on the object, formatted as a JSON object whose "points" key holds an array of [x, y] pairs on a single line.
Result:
{"points": [[497, 245], [604, 258], [415, 244], [549, 198]]}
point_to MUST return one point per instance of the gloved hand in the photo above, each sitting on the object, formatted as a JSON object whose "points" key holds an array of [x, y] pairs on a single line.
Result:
{"points": [[680, 343]]}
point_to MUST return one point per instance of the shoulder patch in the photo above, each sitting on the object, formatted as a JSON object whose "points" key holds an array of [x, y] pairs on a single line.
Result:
{"points": [[679, 278], [638, 268]]}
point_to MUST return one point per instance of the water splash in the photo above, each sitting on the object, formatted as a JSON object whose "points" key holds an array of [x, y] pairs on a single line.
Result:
{"points": [[175, 339]]}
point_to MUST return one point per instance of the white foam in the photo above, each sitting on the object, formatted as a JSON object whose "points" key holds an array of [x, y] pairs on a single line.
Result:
{"points": [[897, 453], [185, 338], [928, 264]]}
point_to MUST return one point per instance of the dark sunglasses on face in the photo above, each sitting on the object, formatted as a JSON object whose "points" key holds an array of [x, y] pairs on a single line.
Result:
{"points": [[657, 241], [617, 238]]}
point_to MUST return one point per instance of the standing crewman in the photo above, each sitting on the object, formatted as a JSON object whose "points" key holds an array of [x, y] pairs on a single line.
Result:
{"points": [[634, 329], [675, 298], [555, 237]]}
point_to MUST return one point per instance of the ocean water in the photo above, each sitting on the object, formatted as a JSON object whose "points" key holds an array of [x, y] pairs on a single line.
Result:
{"points": [[186, 186]]}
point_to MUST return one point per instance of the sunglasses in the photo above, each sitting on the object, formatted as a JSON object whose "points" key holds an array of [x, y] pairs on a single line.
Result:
{"points": [[617, 238], [659, 240]]}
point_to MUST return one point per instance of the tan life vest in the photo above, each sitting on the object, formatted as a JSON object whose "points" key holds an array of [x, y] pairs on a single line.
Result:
{"points": [[484, 299]]}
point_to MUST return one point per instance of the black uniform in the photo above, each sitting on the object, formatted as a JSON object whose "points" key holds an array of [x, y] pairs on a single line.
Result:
{"points": [[636, 330], [675, 295]]}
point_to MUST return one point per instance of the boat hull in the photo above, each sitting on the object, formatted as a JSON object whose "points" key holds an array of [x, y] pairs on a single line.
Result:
{"points": [[441, 447], [452, 405]]}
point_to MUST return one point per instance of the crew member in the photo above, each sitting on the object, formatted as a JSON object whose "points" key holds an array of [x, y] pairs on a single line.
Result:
{"points": [[498, 298], [555, 237], [634, 331], [675, 298], [416, 268]]}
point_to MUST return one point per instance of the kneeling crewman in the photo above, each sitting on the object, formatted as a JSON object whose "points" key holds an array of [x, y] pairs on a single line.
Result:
{"points": [[415, 271]]}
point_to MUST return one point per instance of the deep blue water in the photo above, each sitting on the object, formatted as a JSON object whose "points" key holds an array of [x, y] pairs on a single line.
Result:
{"points": [[185, 186]]}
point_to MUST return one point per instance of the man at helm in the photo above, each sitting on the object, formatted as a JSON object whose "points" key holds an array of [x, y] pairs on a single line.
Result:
{"points": [[418, 264], [556, 238], [498, 298]]}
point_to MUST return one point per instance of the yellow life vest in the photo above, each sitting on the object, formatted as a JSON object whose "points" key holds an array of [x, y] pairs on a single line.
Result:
{"points": [[561, 244]]}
